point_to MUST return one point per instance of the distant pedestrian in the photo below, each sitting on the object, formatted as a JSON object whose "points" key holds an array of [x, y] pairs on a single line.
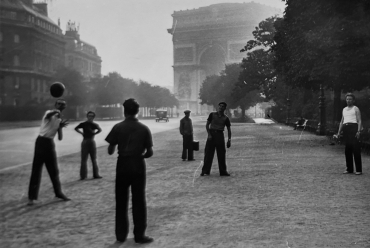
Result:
{"points": [[351, 126], [88, 146], [134, 141], [45, 152], [215, 126], [186, 130]]}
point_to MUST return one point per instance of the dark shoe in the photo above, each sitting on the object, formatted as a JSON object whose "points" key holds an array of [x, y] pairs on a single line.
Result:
{"points": [[144, 240], [120, 240], [30, 203], [358, 173], [347, 172], [98, 177], [204, 174], [184, 160], [63, 197], [191, 159], [82, 178], [225, 174]]}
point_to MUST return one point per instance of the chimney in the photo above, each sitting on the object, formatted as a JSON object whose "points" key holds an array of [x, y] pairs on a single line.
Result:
{"points": [[43, 7]]}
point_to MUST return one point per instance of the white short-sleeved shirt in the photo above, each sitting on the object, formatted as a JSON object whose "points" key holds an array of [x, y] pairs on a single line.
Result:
{"points": [[349, 115], [49, 127]]}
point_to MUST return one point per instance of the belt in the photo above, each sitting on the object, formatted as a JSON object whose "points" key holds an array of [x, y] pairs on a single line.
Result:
{"points": [[216, 131], [349, 124]]}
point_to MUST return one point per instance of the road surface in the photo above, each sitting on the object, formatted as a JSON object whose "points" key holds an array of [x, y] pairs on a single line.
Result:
{"points": [[17, 145]]}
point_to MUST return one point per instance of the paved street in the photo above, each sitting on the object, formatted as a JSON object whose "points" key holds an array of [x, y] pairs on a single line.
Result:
{"points": [[286, 190], [17, 145]]}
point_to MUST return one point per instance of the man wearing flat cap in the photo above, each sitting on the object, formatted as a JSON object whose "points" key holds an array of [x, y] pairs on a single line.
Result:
{"points": [[186, 130], [215, 126]]}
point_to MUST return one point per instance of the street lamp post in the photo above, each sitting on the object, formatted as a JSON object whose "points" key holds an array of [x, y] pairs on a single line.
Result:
{"points": [[287, 111], [321, 128]]}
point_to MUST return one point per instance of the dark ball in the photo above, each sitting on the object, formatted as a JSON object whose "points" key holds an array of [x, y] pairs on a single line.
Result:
{"points": [[57, 89]]}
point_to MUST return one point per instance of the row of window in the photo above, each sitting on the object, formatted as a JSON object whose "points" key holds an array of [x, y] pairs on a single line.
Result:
{"points": [[32, 19], [83, 64], [44, 25]]}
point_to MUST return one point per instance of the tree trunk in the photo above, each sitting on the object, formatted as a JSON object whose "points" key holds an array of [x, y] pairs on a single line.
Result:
{"points": [[243, 112], [336, 105]]}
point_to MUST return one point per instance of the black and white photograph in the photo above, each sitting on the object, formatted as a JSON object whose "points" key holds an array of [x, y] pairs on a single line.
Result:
{"points": [[184, 123]]}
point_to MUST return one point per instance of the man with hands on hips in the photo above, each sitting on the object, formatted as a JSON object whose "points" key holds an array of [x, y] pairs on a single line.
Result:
{"points": [[215, 126]]}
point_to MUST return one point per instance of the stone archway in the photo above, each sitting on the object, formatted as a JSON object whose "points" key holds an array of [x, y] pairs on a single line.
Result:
{"points": [[212, 60]]}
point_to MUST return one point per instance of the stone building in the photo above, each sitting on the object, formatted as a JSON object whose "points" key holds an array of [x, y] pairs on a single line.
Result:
{"points": [[207, 38], [79, 54], [31, 48]]}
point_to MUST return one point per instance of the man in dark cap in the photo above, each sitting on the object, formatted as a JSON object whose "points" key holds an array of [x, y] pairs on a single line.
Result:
{"points": [[134, 141], [186, 130], [215, 126]]}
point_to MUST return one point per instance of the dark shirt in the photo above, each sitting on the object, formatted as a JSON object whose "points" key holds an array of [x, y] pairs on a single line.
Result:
{"points": [[131, 136], [186, 126], [88, 129], [218, 122]]}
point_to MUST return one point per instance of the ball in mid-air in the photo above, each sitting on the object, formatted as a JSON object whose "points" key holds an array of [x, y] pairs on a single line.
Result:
{"points": [[57, 89]]}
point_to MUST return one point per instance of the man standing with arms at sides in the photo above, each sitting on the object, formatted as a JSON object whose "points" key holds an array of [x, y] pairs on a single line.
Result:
{"points": [[215, 126], [45, 152], [351, 125], [88, 145], [186, 130], [134, 141]]}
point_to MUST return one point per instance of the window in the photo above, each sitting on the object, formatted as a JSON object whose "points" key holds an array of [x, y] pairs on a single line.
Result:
{"points": [[16, 38], [38, 85], [16, 60], [16, 83]]}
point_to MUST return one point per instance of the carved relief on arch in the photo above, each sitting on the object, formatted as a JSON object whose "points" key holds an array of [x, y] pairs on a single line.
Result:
{"points": [[184, 85]]}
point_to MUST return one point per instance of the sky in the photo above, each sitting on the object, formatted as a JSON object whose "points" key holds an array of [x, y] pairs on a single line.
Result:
{"points": [[131, 35]]}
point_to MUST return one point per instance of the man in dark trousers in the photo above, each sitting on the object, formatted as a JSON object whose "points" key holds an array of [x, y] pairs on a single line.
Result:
{"points": [[351, 125], [45, 152], [88, 146], [186, 130], [215, 126], [134, 141]]}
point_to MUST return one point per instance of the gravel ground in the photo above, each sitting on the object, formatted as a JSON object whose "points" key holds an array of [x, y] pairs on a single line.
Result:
{"points": [[286, 190]]}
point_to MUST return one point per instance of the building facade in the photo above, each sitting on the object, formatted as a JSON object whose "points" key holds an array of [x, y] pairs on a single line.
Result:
{"points": [[31, 49], [207, 38], [81, 55]]}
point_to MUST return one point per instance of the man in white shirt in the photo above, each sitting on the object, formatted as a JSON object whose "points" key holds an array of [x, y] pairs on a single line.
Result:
{"points": [[45, 152], [351, 125]]}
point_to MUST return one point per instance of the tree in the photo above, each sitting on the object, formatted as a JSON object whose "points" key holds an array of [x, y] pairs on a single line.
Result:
{"points": [[324, 42], [258, 72], [76, 89], [217, 88]]}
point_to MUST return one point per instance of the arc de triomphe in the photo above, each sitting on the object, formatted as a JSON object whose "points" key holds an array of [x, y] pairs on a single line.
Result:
{"points": [[207, 38]]}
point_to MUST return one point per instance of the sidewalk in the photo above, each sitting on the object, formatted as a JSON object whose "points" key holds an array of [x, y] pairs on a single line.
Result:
{"points": [[286, 190]]}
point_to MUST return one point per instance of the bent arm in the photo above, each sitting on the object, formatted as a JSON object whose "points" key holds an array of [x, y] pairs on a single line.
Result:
{"points": [[148, 153], [78, 130], [111, 149], [99, 130]]}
